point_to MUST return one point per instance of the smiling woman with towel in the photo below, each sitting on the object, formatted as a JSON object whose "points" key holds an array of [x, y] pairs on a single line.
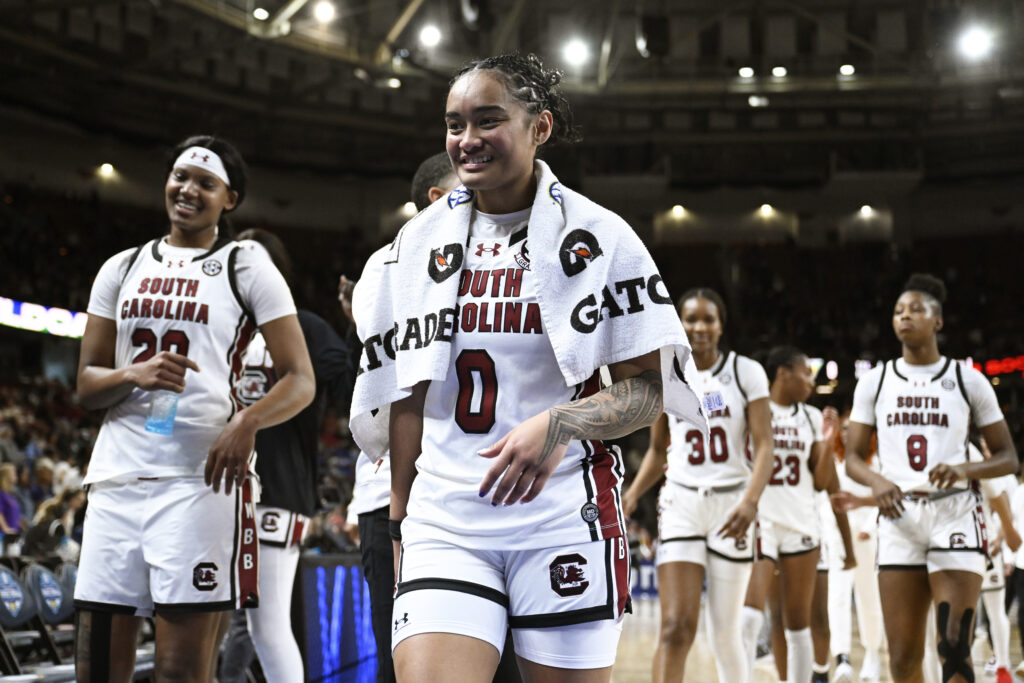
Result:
{"points": [[498, 306]]}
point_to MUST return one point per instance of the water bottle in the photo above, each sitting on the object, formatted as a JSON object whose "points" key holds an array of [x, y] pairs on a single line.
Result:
{"points": [[162, 409]]}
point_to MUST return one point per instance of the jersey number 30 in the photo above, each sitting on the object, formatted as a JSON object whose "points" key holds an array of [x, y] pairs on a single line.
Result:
{"points": [[718, 445], [474, 411]]}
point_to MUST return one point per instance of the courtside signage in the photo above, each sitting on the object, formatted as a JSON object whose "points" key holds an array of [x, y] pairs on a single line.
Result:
{"points": [[47, 319]]}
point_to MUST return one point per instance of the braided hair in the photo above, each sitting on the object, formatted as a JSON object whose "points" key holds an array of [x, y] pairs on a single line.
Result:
{"points": [[536, 87]]}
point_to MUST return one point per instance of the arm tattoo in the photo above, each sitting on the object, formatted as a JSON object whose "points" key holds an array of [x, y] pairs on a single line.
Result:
{"points": [[616, 411]]}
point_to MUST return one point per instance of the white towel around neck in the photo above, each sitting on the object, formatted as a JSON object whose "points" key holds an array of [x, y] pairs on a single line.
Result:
{"points": [[601, 300]]}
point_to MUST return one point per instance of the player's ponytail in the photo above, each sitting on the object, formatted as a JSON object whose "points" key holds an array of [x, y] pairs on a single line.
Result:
{"points": [[233, 164]]}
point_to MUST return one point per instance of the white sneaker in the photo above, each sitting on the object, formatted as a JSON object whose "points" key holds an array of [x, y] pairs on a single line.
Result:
{"points": [[843, 673], [871, 669], [990, 667], [1020, 668]]}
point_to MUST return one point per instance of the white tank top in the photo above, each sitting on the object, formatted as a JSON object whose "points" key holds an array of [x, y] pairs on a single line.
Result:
{"points": [[720, 458], [503, 371], [922, 417], [187, 301], [789, 498]]}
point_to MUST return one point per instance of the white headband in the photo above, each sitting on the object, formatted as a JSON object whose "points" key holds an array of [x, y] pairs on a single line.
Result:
{"points": [[204, 159]]}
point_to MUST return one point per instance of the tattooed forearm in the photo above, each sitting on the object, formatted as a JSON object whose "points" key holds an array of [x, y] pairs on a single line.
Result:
{"points": [[621, 409]]}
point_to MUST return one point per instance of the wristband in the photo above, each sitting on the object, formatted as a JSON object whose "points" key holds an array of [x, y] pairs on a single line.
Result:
{"points": [[395, 529]]}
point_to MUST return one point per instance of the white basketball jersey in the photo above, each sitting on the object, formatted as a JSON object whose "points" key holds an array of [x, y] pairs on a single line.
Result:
{"points": [[181, 300], [789, 498], [923, 419], [502, 372], [720, 458]]}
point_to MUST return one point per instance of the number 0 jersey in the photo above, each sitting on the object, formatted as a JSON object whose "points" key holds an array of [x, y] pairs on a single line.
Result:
{"points": [[789, 498], [718, 460], [503, 372], [204, 304], [922, 414]]}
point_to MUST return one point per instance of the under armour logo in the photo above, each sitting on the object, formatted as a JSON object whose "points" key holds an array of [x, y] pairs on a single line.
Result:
{"points": [[404, 620], [170, 263], [495, 250], [205, 157]]}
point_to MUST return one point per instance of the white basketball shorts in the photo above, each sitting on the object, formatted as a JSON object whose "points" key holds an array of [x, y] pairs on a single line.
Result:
{"points": [[167, 545], [940, 535], [689, 521], [564, 604], [776, 540]]}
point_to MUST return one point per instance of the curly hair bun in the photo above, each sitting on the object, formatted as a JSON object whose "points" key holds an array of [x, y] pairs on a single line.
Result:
{"points": [[927, 283]]}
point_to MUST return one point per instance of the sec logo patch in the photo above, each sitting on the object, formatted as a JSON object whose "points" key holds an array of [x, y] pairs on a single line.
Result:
{"points": [[211, 267]]}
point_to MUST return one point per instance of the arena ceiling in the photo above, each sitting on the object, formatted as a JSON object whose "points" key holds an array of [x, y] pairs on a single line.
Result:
{"points": [[659, 94]]}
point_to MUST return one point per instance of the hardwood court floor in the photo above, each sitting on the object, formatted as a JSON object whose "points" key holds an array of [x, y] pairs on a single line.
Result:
{"points": [[640, 631]]}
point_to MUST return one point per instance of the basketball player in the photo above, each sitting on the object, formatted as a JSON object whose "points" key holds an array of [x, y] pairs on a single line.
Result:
{"points": [[472, 562], [790, 534], [287, 467], [371, 494], [171, 320], [709, 499], [931, 534]]}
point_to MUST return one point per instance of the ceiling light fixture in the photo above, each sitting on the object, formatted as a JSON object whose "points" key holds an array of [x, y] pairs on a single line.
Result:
{"points": [[576, 52], [323, 11], [430, 36]]}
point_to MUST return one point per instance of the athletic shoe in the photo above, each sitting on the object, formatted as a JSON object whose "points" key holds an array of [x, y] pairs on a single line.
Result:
{"points": [[871, 668], [844, 673], [1003, 675], [1019, 670]]}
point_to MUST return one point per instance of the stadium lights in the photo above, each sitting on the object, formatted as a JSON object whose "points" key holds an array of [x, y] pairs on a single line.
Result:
{"points": [[757, 101], [260, 14], [394, 83], [409, 209], [106, 170], [779, 71], [678, 211], [866, 211], [746, 72], [847, 70], [430, 36], [975, 43], [323, 11], [576, 52], [767, 210]]}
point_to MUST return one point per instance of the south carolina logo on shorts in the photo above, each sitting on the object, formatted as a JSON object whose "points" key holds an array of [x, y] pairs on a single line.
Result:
{"points": [[958, 540], [204, 576], [253, 385], [578, 249], [948, 384], [445, 262], [590, 512], [741, 543], [211, 267], [807, 541], [568, 575], [269, 523]]}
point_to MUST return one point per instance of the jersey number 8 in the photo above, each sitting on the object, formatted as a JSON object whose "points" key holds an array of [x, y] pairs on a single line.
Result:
{"points": [[917, 452]]}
